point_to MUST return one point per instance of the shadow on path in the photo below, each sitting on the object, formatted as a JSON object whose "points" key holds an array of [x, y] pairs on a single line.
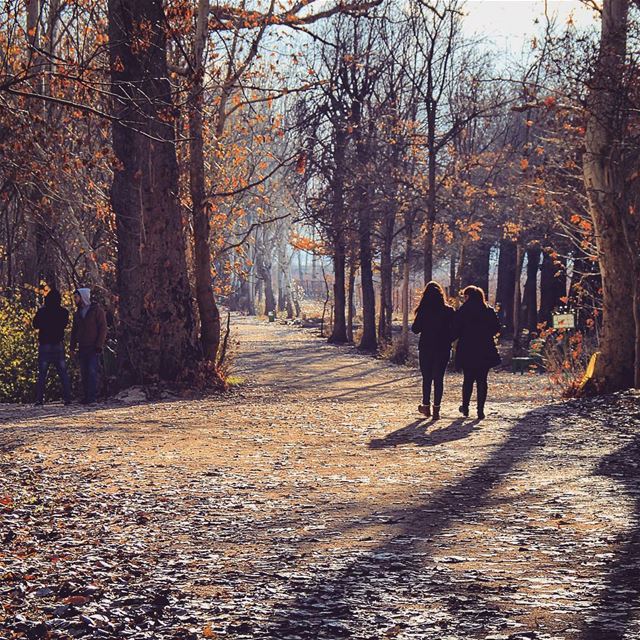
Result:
{"points": [[411, 545], [420, 433], [618, 603]]}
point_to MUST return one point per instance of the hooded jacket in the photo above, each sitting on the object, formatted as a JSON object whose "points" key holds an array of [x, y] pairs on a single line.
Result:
{"points": [[89, 328], [51, 320]]}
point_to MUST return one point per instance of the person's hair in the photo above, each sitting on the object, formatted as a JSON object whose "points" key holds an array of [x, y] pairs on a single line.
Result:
{"points": [[53, 298], [433, 297], [475, 295]]}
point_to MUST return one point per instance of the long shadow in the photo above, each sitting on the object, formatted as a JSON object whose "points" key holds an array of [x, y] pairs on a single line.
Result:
{"points": [[618, 603], [418, 433], [306, 617]]}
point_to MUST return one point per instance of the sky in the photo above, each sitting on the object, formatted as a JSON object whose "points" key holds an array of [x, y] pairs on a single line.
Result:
{"points": [[509, 25]]}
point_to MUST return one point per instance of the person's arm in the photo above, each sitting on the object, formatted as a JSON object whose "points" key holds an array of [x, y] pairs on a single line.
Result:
{"points": [[416, 327], [101, 322], [495, 323]]}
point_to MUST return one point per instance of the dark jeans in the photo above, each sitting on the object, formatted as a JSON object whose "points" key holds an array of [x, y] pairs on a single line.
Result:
{"points": [[88, 373], [52, 354], [433, 366], [479, 376]]}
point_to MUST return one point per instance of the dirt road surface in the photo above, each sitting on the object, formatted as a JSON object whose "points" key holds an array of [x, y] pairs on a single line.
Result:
{"points": [[312, 502]]}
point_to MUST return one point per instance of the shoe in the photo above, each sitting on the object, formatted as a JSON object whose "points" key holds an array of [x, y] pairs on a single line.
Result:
{"points": [[464, 410], [67, 403], [481, 415], [436, 412], [38, 403], [424, 410]]}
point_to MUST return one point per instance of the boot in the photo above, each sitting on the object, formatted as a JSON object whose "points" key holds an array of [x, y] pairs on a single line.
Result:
{"points": [[424, 410], [464, 410], [481, 413], [436, 412]]}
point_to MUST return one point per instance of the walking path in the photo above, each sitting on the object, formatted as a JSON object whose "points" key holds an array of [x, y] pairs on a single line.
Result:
{"points": [[312, 503]]}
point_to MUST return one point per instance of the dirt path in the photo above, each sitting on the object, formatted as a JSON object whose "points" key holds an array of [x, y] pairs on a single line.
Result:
{"points": [[313, 504]]}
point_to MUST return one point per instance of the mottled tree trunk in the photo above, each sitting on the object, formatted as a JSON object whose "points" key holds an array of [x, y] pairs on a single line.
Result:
{"points": [[156, 324], [603, 167]]}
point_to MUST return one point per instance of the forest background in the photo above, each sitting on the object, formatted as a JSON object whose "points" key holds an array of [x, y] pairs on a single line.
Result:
{"points": [[175, 156]]}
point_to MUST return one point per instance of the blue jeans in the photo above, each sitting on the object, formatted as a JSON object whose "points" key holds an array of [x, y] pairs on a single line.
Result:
{"points": [[52, 354], [88, 373]]}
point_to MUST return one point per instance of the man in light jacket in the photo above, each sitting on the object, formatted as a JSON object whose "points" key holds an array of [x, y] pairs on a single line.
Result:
{"points": [[88, 335]]}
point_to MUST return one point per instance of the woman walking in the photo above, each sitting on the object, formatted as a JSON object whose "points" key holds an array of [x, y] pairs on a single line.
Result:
{"points": [[475, 325], [433, 322]]}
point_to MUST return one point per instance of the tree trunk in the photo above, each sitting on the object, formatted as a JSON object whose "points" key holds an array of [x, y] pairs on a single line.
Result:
{"points": [[505, 290], [474, 265], [604, 180], [264, 264], [156, 324], [431, 177], [453, 287], [406, 293], [350, 303], [530, 294], [339, 332], [386, 279], [517, 295], [553, 286], [207, 308], [368, 342]]}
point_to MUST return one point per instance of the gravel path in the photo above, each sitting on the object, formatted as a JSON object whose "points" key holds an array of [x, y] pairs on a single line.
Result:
{"points": [[312, 503]]}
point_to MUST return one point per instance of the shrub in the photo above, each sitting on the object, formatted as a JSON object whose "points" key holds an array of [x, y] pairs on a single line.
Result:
{"points": [[19, 355], [566, 355]]}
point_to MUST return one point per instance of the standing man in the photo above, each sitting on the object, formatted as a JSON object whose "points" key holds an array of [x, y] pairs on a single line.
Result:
{"points": [[51, 320], [88, 334]]}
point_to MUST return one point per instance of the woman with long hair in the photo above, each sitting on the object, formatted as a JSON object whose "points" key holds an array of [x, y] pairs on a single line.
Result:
{"points": [[475, 325], [433, 322]]}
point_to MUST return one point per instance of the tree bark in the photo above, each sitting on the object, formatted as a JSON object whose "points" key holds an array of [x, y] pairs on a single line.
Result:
{"points": [[604, 180], [530, 294], [386, 279], [263, 266], [207, 307], [505, 290], [156, 324], [553, 286], [339, 331], [350, 303], [474, 265], [368, 341]]}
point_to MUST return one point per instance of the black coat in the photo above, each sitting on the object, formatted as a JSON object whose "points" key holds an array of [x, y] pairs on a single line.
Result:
{"points": [[435, 329], [475, 326], [51, 321]]}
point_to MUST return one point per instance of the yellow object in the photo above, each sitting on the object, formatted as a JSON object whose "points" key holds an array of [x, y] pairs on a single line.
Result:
{"points": [[591, 369]]}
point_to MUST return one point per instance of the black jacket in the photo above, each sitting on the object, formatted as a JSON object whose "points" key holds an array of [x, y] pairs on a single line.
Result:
{"points": [[435, 329], [475, 326], [51, 321]]}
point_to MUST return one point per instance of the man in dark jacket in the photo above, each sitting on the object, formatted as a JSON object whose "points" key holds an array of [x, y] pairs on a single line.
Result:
{"points": [[88, 335], [51, 320]]}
